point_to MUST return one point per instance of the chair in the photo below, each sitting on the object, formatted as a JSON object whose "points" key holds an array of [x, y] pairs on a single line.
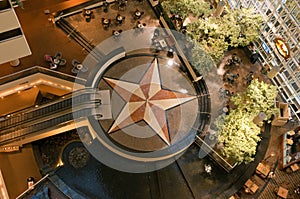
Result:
{"points": [[74, 70], [75, 62], [58, 55], [48, 58], [62, 62], [53, 66]]}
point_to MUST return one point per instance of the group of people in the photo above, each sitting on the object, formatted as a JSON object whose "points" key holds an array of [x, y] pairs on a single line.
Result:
{"points": [[234, 60]]}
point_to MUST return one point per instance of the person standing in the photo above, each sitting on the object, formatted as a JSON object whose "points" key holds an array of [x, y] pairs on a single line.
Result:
{"points": [[254, 57]]}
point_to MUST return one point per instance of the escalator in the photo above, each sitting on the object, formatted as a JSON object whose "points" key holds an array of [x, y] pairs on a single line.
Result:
{"points": [[38, 120]]}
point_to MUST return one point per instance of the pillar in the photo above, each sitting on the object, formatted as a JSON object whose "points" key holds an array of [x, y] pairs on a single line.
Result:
{"points": [[220, 8]]}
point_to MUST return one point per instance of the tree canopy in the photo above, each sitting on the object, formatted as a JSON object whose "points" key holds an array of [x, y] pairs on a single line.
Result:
{"points": [[184, 8], [237, 132], [237, 28]]}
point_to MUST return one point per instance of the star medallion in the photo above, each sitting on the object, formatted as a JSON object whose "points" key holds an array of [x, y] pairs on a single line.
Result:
{"points": [[146, 101]]}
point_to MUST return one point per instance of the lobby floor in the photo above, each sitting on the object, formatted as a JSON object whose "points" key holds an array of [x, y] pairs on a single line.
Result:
{"points": [[184, 179]]}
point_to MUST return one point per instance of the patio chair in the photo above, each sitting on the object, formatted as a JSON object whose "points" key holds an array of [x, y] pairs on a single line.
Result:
{"points": [[48, 58], [62, 62], [58, 55]]}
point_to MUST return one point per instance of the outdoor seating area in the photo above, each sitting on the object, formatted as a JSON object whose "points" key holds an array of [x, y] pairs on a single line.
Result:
{"points": [[87, 14], [55, 61]]}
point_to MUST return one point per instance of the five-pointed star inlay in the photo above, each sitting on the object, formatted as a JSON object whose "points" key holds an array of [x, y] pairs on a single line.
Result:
{"points": [[147, 101]]}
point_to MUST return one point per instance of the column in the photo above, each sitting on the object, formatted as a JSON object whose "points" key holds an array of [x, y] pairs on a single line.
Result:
{"points": [[220, 8]]}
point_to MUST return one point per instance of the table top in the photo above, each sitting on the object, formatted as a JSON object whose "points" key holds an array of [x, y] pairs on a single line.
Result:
{"points": [[248, 183], [106, 21], [282, 192], [263, 169], [79, 66], [253, 188], [138, 13], [56, 61], [119, 17], [294, 167]]}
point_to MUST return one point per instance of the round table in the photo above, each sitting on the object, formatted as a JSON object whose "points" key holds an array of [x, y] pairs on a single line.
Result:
{"points": [[79, 66], [119, 18], [116, 33], [106, 21], [140, 25], [138, 13], [88, 12], [56, 61]]}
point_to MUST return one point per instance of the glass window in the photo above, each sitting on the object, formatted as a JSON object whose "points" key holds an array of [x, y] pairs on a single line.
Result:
{"points": [[287, 74], [281, 31], [292, 27], [264, 7], [273, 19], [297, 36], [296, 14], [288, 22], [283, 16], [279, 9], [271, 36], [291, 44], [292, 65], [267, 28], [297, 56], [295, 86]]}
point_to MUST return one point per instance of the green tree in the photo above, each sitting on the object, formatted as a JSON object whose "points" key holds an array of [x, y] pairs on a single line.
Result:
{"points": [[184, 8], [237, 132], [216, 34], [200, 60]]}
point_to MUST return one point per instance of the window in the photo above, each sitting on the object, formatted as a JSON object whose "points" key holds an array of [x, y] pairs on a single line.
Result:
{"points": [[287, 74], [296, 36], [279, 9], [296, 14], [291, 45], [283, 16], [267, 28], [264, 7], [288, 22], [271, 36], [295, 86], [292, 65]]}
